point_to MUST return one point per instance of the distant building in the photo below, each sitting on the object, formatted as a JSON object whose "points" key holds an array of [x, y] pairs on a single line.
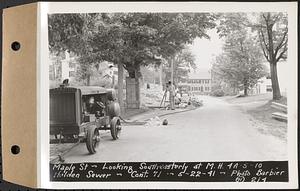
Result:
{"points": [[264, 84], [197, 83], [62, 67], [65, 66], [68, 67]]}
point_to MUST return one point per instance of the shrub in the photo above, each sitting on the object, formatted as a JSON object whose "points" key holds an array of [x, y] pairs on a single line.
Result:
{"points": [[218, 93]]}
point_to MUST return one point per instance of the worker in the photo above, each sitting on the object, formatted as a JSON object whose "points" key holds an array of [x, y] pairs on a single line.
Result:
{"points": [[65, 83], [171, 90]]}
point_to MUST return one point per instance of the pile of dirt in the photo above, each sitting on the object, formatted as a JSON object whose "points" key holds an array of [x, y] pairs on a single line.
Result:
{"points": [[152, 96]]}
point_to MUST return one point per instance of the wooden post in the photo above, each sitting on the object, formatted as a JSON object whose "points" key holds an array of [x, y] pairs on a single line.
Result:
{"points": [[172, 71], [161, 76]]}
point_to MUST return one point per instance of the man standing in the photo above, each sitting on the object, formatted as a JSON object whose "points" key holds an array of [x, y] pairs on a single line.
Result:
{"points": [[171, 90]]}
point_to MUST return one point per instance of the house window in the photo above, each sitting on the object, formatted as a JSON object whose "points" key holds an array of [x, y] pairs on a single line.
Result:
{"points": [[201, 88], [269, 88]]}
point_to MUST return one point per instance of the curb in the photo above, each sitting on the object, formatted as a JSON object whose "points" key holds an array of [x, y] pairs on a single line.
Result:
{"points": [[142, 122], [165, 114]]}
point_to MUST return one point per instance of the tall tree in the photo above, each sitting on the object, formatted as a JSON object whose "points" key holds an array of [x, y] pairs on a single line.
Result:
{"points": [[73, 33], [127, 39], [184, 62], [241, 63], [273, 36], [147, 38]]}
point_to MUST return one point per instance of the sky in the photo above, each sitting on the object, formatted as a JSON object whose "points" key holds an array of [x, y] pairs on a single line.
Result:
{"points": [[206, 49]]}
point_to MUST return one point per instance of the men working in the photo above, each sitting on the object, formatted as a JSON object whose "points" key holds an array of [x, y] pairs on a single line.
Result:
{"points": [[171, 90]]}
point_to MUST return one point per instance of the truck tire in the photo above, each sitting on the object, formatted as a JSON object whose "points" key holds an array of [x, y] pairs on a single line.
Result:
{"points": [[114, 110], [115, 128], [92, 139]]}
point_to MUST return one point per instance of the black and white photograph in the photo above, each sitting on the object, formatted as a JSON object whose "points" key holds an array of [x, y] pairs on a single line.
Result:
{"points": [[155, 95]]}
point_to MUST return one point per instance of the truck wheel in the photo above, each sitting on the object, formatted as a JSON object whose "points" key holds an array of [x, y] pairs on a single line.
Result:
{"points": [[115, 128], [92, 139], [114, 110]]}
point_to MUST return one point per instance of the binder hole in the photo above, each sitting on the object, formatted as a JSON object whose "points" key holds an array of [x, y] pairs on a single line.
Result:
{"points": [[15, 46], [15, 149]]}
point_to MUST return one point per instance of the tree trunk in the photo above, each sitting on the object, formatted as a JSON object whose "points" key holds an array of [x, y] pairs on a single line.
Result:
{"points": [[134, 74], [88, 80], [138, 89], [120, 87], [160, 75], [246, 86], [274, 79], [245, 91]]}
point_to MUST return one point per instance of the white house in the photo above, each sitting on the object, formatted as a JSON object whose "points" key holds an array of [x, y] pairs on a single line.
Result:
{"points": [[265, 85], [68, 67], [198, 82]]}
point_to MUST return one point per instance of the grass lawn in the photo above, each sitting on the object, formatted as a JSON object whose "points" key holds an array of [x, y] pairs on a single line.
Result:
{"points": [[260, 110]]}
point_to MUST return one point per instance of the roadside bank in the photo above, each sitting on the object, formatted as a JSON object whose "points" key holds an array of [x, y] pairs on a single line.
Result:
{"points": [[258, 107]]}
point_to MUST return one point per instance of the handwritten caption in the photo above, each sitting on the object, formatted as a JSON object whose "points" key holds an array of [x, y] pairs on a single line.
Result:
{"points": [[266, 171]]}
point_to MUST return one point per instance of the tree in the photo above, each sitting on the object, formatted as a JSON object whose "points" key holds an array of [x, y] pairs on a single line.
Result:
{"points": [[184, 62], [148, 38], [241, 63], [272, 30], [65, 32], [73, 33], [126, 39], [272, 33]]}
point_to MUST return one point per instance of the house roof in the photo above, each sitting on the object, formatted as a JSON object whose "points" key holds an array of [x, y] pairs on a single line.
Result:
{"points": [[201, 74]]}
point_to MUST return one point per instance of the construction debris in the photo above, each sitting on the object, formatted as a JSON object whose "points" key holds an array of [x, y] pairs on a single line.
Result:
{"points": [[196, 102], [153, 122], [165, 122]]}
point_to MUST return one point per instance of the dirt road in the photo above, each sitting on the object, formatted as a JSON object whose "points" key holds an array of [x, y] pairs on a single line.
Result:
{"points": [[217, 131]]}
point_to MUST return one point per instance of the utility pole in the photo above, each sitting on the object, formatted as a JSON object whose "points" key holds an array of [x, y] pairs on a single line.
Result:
{"points": [[172, 71]]}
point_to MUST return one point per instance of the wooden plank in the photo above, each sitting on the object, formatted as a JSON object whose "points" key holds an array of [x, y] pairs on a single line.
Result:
{"points": [[279, 116], [279, 106]]}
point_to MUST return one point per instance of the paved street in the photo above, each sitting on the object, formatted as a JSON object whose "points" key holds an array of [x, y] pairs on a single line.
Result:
{"points": [[216, 131]]}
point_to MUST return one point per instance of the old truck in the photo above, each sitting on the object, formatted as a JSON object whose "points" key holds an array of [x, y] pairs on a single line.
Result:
{"points": [[77, 114]]}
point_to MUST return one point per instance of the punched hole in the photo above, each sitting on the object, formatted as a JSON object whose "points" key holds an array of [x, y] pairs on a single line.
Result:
{"points": [[15, 46], [15, 149]]}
